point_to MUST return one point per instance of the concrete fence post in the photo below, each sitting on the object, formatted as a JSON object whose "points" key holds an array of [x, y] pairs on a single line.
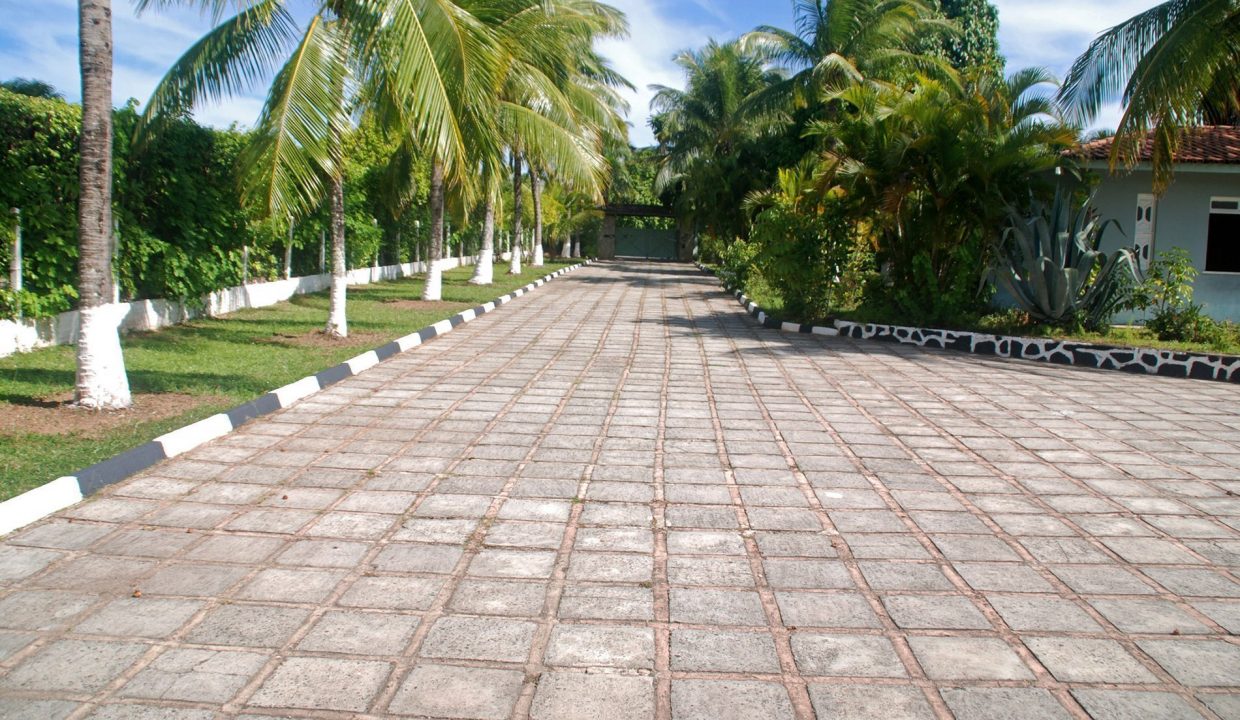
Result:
{"points": [[15, 262]]}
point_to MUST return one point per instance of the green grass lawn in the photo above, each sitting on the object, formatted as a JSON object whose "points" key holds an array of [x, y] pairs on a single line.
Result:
{"points": [[220, 362]]}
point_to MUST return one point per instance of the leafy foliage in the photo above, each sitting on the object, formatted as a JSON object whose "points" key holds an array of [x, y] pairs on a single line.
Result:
{"points": [[1049, 261], [804, 244], [1171, 67], [929, 170], [976, 45], [1167, 293]]}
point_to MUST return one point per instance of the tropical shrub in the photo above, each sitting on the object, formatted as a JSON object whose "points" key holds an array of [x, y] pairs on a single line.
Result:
{"points": [[804, 241], [1166, 293], [736, 263], [929, 169], [1049, 261]]}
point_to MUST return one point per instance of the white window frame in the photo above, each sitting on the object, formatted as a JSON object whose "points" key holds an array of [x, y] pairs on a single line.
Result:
{"points": [[1220, 211]]}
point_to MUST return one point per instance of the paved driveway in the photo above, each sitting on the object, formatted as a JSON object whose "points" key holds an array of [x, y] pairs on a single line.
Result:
{"points": [[619, 498]]}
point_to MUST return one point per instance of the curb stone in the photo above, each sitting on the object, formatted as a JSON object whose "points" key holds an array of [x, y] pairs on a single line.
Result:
{"points": [[1148, 361], [36, 504], [767, 320]]}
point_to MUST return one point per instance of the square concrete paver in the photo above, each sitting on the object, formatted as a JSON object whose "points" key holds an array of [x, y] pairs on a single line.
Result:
{"points": [[963, 658], [322, 684], [846, 656], [859, 701], [1088, 660], [710, 651], [601, 646], [621, 497], [360, 633], [76, 666], [729, 700], [449, 691], [467, 638], [192, 675], [1009, 703], [564, 695]]}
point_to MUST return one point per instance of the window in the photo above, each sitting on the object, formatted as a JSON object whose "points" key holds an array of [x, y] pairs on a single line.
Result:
{"points": [[1223, 236]]}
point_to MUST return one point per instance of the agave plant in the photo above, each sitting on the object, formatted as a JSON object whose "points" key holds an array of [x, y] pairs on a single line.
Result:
{"points": [[1049, 261]]}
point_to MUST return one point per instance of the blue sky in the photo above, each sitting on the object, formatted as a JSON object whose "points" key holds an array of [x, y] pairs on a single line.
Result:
{"points": [[39, 39]]}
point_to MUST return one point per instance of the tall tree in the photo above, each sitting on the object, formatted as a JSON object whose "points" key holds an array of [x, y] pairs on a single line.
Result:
{"points": [[1172, 66], [101, 381], [976, 45], [712, 135], [839, 42], [418, 67]]}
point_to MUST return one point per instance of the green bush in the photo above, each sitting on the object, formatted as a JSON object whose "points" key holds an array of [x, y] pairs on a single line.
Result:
{"points": [[23, 303], [1167, 294], [803, 255], [736, 263]]}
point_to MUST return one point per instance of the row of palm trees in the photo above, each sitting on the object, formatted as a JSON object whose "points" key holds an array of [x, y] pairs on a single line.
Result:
{"points": [[481, 87]]}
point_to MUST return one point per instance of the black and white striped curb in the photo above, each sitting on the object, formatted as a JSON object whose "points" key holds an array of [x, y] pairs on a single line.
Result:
{"points": [[1149, 361], [767, 320], [65, 491], [1166, 363]]}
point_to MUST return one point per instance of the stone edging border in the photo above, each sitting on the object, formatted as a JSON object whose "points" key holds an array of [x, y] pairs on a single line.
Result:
{"points": [[768, 321], [60, 493], [1165, 363]]}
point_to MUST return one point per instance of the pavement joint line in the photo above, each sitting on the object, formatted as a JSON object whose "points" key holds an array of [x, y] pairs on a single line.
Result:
{"points": [[399, 668], [19, 511], [279, 655], [535, 664], [1059, 688]]}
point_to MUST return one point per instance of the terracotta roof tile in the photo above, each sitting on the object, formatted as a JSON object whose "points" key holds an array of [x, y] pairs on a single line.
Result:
{"points": [[1217, 144]]}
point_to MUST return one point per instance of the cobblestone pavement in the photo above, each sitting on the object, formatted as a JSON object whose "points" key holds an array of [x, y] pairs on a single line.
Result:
{"points": [[620, 498]]}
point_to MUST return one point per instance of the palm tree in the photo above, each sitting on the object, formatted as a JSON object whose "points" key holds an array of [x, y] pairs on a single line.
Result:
{"points": [[712, 133], [839, 42], [101, 381], [932, 169], [1173, 66], [556, 96], [419, 67]]}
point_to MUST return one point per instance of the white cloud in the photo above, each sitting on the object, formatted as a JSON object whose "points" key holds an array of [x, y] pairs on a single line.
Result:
{"points": [[1052, 33], [645, 58]]}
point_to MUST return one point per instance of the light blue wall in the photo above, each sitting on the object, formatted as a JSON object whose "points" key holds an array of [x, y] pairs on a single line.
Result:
{"points": [[1183, 213]]}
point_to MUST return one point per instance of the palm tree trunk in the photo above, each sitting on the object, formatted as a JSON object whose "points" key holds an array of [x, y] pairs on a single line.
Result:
{"points": [[337, 318], [433, 289], [536, 185], [566, 249], [101, 381], [517, 206], [577, 247], [483, 272]]}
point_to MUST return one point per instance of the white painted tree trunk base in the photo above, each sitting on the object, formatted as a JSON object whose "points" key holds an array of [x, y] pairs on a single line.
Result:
{"points": [[337, 318], [484, 272], [434, 282], [538, 255], [514, 267], [101, 380]]}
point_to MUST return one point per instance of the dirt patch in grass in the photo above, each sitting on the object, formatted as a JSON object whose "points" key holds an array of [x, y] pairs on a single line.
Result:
{"points": [[56, 415], [415, 305], [320, 339]]}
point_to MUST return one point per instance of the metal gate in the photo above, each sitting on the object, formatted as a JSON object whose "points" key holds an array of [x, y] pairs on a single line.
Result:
{"points": [[646, 243]]}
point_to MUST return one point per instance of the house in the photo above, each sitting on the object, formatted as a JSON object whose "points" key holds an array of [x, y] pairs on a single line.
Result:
{"points": [[1200, 210]]}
